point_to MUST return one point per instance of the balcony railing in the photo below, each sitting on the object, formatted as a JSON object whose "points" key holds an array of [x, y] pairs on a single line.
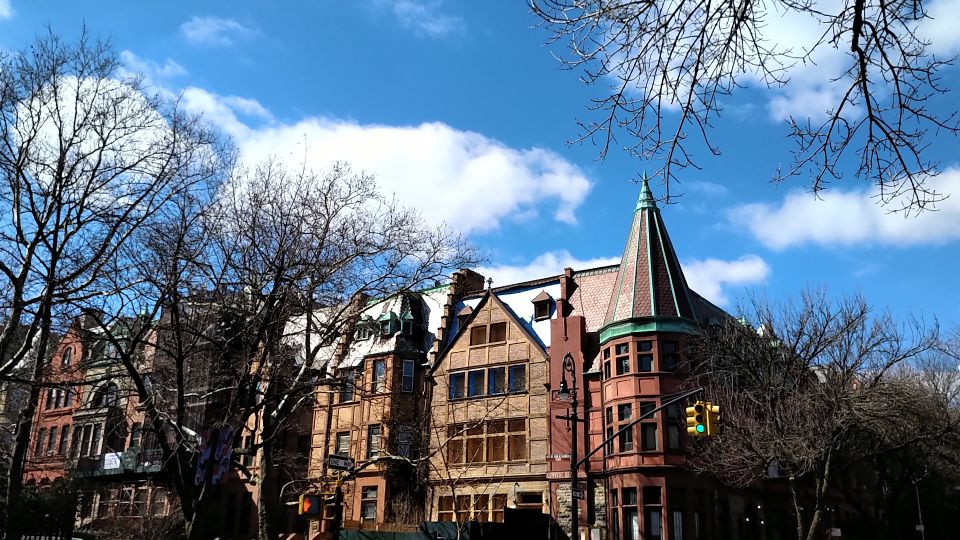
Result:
{"points": [[131, 460]]}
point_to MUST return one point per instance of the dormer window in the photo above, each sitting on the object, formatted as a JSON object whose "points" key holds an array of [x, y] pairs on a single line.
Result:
{"points": [[388, 323], [406, 323], [541, 306], [364, 329]]}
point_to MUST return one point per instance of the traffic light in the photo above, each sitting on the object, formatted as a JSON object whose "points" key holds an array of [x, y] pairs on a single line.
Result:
{"points": [[696, 419], [714, 425], [310, 505]]}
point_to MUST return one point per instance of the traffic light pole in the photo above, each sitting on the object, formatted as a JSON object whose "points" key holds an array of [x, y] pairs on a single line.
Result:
{"points": [[679, 397]]}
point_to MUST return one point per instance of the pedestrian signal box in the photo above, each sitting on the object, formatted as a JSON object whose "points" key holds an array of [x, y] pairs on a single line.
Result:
{"points": [[311, 505]]}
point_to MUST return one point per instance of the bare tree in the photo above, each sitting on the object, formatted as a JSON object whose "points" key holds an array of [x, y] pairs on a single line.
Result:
{"points": [[86, 159], [224, 278], [813, 392], [669, 63]]}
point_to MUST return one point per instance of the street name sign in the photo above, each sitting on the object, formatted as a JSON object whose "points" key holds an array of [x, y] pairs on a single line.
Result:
{"points": [[341, 463]]}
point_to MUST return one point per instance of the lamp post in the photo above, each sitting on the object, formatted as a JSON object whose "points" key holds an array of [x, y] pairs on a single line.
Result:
{"points": [[564, 393]]}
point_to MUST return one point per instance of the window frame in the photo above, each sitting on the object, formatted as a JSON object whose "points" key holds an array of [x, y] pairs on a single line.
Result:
{"points": [[340, 437], [407, 381], [374, 434], [378, 376]]}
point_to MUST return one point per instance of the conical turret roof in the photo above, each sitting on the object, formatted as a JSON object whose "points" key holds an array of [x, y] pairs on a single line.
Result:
{"points": [[650, 282]]}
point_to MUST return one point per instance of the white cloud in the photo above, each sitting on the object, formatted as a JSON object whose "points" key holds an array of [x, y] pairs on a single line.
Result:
{"points": [[154, 74], [941, 27], [6, 10], [214, 31], [712, 277], [845, 218], [422, 16], [463, 178], [548, 264]]}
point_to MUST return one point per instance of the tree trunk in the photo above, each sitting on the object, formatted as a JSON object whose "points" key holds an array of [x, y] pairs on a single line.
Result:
{"points": [[25, 426], [267, 499]]}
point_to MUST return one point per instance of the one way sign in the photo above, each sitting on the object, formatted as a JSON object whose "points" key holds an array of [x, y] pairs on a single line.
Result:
{"points": [[341, 463]]}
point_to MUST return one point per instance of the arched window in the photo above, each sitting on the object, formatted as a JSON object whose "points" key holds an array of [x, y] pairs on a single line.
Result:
{"points": [[67, 356], [107, 396]]}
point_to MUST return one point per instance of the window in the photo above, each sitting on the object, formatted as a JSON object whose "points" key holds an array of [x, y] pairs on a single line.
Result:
{"points": [[490, 442], [51, 438], [386, 327], [107, 396], [140, 502], [368, 503], [622, 358], [364, 331], [67, 356], [647, 407], [457, 381], [68, 397], [609, 422], [517, 436], [135, 433], [645, 356], [95, 440], [406, 378], [460, 508], [158, 503], [38, 449], [445, 509], [404, 441], [75, 441], [498, 332], [625, 440], [475, 383], [518, 378], [373, 441], [478, 335], [85, 440], [49, 402], [541, 310], [378, 384], [406, 328], [496, 381], [342, 447], [648, 436], [675, 422], [499, 503], [669, 355], [631, 518], [62, 446], [606, 363], [347, 391], [652, 514], [493, 381]]}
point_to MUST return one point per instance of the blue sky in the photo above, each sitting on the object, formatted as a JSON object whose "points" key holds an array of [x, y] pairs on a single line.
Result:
{"points": [[460, 109]]}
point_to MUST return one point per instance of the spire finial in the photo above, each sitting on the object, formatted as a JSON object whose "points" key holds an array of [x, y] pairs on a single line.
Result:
{"points": [[646, 196], [489, 283]]}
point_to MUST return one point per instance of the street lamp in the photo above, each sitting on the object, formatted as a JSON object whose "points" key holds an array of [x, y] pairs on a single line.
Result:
{"points": [[564, 393]]}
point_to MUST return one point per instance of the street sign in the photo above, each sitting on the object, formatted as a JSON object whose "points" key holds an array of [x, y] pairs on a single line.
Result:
{"points": [[558, 457], [341, 463], [579, 494]]}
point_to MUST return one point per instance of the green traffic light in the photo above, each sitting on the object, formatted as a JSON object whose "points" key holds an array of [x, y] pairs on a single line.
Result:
{"points": [[700, 428]]}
